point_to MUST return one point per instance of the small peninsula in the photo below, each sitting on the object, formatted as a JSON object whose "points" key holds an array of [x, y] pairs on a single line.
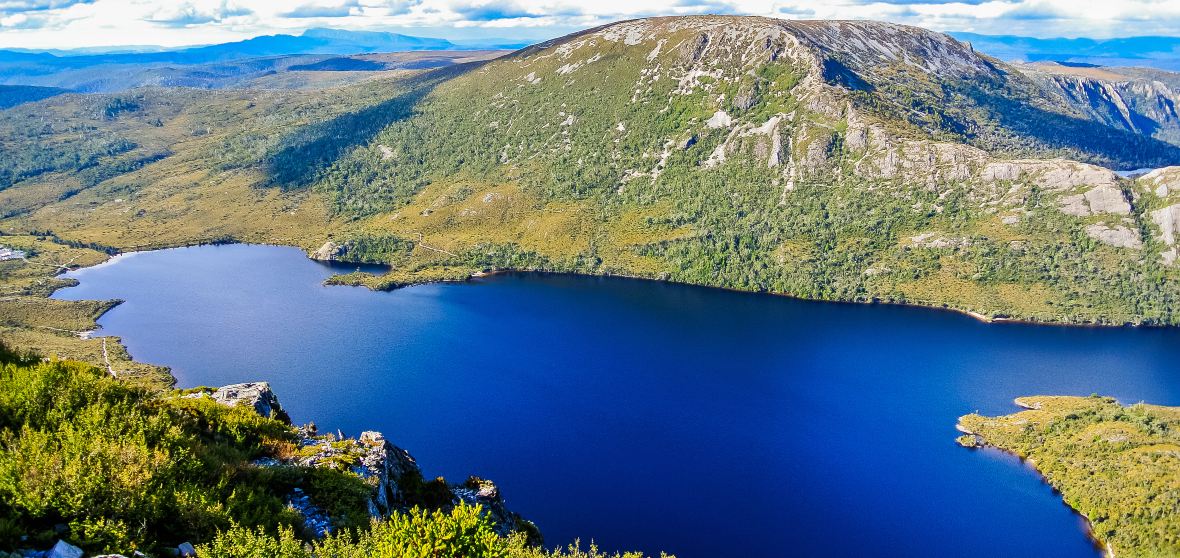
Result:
{"points": [[1119, 466]]}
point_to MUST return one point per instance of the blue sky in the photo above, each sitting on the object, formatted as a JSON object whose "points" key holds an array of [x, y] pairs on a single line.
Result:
{"points": [[85, 23]]}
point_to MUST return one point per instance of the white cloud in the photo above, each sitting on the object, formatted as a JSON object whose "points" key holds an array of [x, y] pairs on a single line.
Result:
{"points": [[74, 23]]}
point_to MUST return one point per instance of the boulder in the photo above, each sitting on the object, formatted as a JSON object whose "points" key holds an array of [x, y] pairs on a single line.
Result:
{"points": [[256, 395], [64, 549]]}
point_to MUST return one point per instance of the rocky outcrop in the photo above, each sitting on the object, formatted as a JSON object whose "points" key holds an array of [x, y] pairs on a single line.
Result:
{"points": [[383, 464], [256, 395], [1161, 182], [484, 493], [1118, 235], [388, 469], [1168, 221], [1105, 198], [328, 252]]}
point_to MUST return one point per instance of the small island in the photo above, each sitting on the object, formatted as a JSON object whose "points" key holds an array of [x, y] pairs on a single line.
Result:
{"points": [[1119, 466]]}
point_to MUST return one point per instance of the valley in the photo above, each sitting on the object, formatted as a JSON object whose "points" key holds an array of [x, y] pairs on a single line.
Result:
{"points": [[836, 161]]}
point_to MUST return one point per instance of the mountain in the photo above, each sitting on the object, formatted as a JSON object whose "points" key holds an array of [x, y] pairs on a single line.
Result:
{"points": [[1139, 100], [831, 160], [1157, 52], [111, 71], [268, 71], [311, 41], [842, 160]]}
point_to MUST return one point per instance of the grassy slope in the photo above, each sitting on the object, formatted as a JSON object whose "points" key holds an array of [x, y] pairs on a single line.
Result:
{"points": [[1119, 466]]}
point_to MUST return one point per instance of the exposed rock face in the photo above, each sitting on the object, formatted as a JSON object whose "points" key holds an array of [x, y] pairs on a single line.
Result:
{"points": [[1106, 198], [1161, 182], [384, 463], [1125, 101], [719, 120], [256, 395], [1118, 236], [1168, 220], [328, 252]]}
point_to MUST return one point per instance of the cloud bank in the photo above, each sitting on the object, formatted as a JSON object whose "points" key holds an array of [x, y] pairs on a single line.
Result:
{"points": [[86, 23]]}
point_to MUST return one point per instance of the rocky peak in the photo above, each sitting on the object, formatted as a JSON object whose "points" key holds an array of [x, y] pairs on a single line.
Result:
{"points": [[870, 47]]}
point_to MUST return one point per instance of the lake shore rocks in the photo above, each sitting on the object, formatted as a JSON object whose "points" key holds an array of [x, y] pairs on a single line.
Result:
{"points": [[393, 475], [326, 253]]}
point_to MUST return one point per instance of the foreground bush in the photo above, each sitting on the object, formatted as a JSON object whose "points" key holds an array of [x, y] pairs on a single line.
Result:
{"points": [[462, 532], [121, 468], [113, 467]]}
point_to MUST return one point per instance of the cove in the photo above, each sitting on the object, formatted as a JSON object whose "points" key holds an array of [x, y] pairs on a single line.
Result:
{"points": [[646, 415]]}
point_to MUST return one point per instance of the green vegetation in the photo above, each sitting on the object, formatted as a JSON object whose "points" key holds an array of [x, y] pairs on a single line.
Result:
{"points": [[1119, 466], [595, 156], [463, 531], [125, 469], [115, 467]]}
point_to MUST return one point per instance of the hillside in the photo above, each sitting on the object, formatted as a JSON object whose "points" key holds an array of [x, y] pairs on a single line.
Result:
{"points": [[829, 160], [264, 72], [832, 160]]}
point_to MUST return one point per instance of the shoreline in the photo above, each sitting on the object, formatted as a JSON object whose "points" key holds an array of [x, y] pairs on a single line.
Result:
{"points": [[874, 302], [983, 318], [982, 444], [1107, 551]]}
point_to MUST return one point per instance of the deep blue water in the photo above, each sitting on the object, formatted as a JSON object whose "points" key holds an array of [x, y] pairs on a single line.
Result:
{"points": [[652, 416]]}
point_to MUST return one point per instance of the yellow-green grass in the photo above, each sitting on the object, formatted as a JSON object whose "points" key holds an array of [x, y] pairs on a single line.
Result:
{"points": [[1117, 465]]}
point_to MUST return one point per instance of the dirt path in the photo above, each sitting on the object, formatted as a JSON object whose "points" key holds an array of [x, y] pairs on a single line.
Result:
{"points": [[439, 250], [107, 359]]}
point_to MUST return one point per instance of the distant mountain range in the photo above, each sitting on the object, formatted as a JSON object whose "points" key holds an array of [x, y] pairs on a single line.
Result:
{"points": [[1153, 52], [1156, 52], [222, 65], [312, 41]]}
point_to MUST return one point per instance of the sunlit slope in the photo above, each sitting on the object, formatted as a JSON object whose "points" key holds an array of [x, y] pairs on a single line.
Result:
{"points": [[833, 160]]}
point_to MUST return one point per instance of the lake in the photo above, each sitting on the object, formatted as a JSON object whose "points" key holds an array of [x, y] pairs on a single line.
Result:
{"points": [[646, 415]]}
